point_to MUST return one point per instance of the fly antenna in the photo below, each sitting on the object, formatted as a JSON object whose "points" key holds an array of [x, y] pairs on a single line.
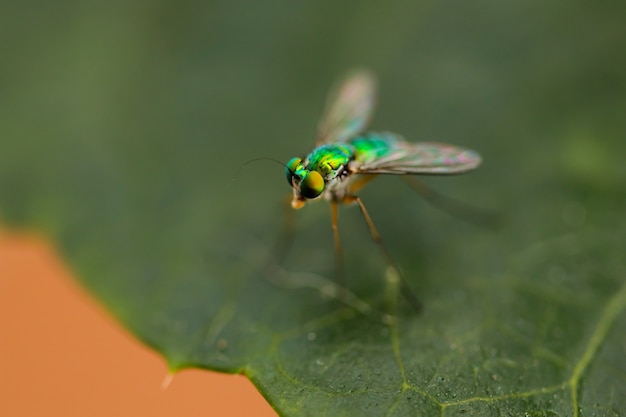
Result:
{"points": [[245, 164]]}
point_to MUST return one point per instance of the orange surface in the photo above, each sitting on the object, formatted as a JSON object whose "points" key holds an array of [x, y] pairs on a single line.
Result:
{"points": [[62, 355]]}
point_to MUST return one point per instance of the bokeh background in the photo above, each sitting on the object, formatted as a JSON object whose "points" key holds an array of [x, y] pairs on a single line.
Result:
{"points": [[124, 127]]}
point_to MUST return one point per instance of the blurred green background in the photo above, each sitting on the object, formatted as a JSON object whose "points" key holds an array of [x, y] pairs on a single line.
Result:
{"points": [[124, 127]]}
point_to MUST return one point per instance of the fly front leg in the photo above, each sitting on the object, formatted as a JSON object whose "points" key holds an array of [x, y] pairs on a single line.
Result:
{"points": [[339, 269]]}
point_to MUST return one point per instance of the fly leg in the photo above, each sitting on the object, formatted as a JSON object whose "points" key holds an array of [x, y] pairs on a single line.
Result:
{"points": [[404, 285], [339, 268], [360, 182], [276, 275]]}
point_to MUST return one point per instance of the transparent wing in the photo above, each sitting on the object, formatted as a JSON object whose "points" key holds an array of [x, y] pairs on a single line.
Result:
{"points": [[349, 108], [419, 158]]}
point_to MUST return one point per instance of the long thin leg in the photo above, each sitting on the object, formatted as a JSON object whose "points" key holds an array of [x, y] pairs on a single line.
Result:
{"points": [[474, 215], [339, 270], [360, 182], [404, 285], [276, 275]]}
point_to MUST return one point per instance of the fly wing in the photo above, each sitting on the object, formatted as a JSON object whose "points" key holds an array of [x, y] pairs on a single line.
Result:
{"points": [[349, 108], [420, 158]]}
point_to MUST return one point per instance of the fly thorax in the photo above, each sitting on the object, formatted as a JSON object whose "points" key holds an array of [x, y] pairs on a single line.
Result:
{"points": [[329, 160]]}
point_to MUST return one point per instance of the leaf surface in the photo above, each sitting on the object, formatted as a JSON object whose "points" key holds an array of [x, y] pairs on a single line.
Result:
{"points": [[124, 136]]}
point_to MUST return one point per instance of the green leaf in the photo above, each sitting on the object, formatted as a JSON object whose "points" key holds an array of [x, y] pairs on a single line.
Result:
{"points": [[125, 130]]}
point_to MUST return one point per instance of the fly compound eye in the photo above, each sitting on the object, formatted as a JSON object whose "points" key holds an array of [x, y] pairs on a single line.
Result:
{"points": [[312, 185], [291, 169]]}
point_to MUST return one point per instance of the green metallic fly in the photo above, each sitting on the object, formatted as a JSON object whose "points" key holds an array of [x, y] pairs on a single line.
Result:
{"points": [[346, 158]]}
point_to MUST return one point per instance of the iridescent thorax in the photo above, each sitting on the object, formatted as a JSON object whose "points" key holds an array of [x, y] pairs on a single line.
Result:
{"points": [[329, 159]]}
